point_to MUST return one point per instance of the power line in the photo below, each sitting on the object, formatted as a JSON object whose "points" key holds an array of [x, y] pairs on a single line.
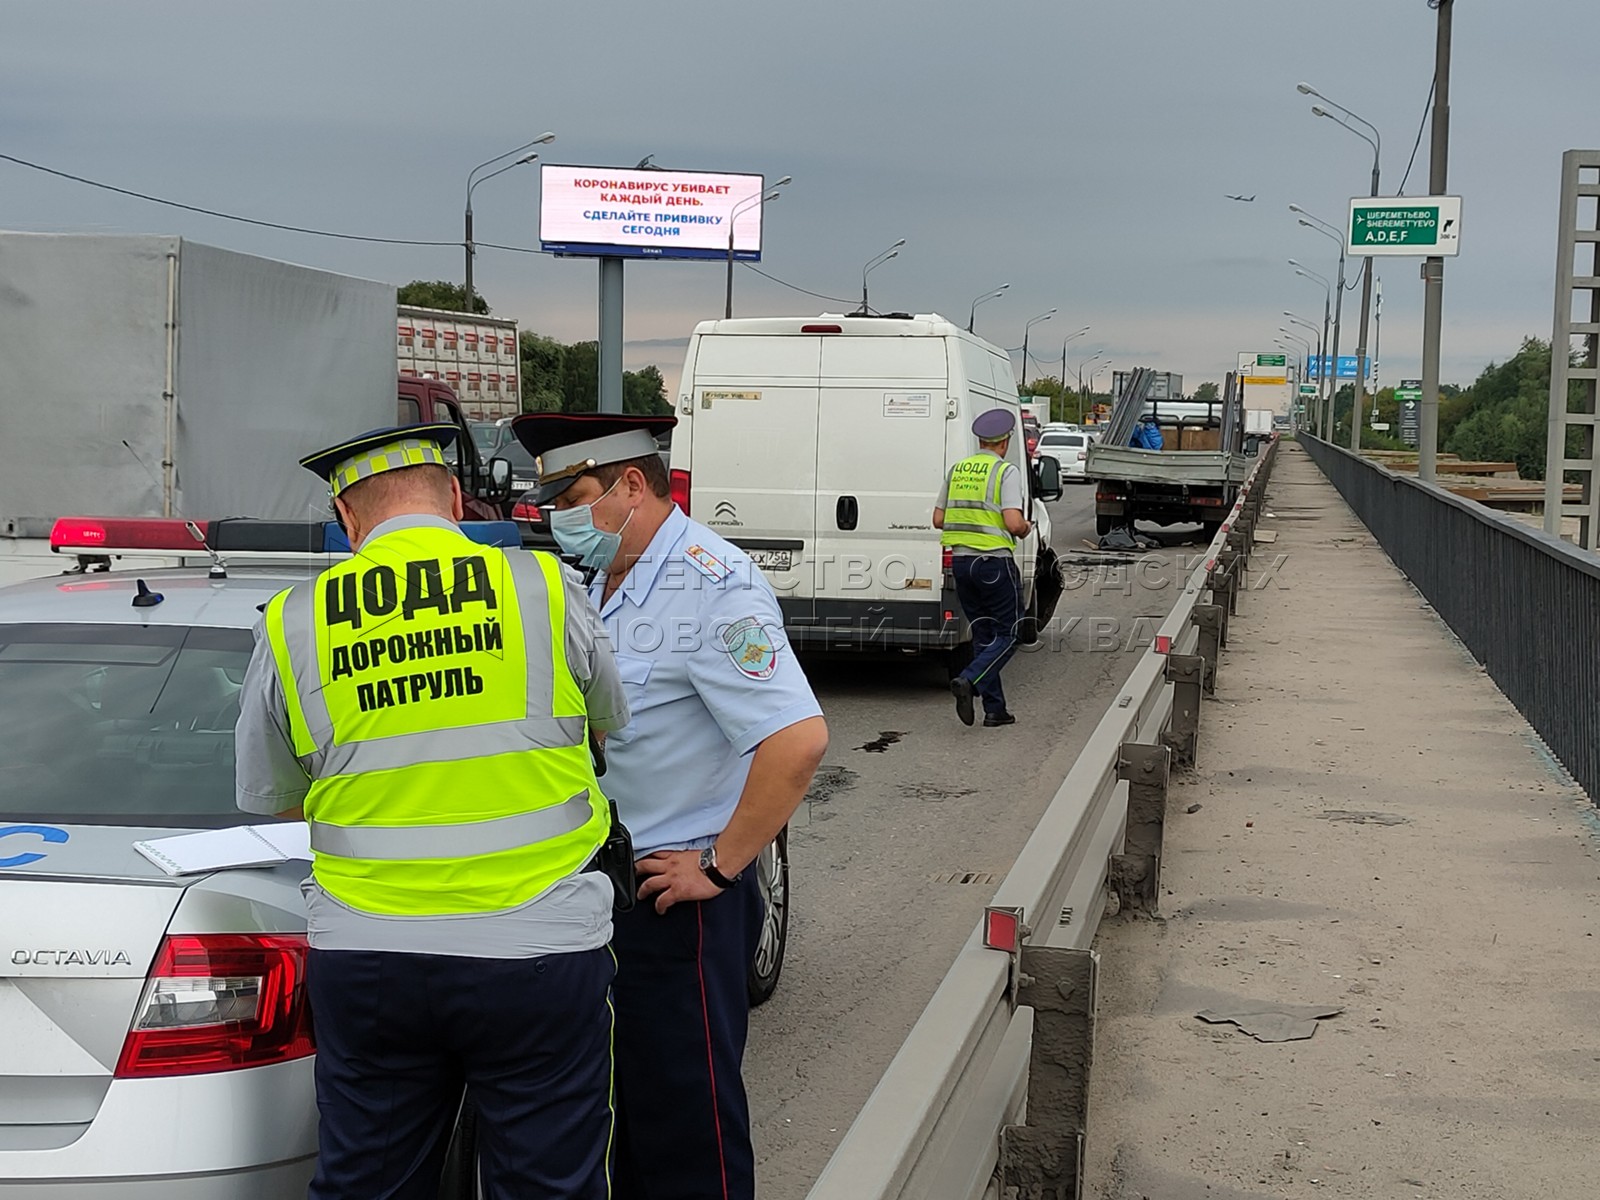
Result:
{"points": [[211, 212], [1401, 190], [795, 287]]}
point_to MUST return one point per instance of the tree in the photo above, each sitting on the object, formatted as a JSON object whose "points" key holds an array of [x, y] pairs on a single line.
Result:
{"points": [[542, 362], [1504, 415], [441, 293], [645, 392], [1206, 393], [560, 378]]}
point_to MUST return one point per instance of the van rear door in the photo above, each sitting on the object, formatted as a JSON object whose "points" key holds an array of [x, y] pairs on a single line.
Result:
{"points": [[880, 462], [753, 453]]}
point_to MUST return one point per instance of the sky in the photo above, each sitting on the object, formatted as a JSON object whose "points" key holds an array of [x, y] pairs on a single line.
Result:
{"points": [[1078, 150]]}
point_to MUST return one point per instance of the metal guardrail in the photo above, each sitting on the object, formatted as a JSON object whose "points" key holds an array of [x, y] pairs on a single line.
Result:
{"points": [[987, 1095], [1525, 603]]}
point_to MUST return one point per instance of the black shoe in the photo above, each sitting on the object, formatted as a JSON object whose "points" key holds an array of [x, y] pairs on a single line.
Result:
{"points": [[990, 720], [961, 689]]}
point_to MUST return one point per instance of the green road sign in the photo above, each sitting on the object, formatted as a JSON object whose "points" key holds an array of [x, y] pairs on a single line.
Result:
{"points": [[1422, 227], [1308, 389], [1271, 360]]}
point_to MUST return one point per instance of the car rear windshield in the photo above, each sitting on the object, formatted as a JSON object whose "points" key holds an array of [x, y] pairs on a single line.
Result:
{"points": [[119, 724]]}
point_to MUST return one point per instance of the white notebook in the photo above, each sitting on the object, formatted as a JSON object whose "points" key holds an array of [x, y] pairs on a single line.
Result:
{"points": [[219, 849]]}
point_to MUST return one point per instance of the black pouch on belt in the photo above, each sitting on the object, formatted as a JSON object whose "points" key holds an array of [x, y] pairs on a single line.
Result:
{"points": [[615, 856]]}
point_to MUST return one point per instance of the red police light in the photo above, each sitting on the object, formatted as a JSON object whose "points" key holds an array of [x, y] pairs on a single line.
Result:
{"points": [[119, 533]]}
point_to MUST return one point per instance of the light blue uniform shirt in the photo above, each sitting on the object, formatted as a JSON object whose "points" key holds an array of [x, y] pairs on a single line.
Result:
{"points": [[699, 643]]}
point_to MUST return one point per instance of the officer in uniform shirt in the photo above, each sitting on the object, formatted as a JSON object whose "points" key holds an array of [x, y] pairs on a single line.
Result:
{"points": [[724, 740], [426, 704], [980, 514]]}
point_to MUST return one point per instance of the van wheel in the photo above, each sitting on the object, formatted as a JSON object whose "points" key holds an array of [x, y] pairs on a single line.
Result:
{"points": [[772, 877], [1028, 627], [956, 659]]}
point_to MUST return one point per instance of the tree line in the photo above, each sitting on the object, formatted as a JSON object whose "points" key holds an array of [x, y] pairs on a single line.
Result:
{"points": [[556, 376]]}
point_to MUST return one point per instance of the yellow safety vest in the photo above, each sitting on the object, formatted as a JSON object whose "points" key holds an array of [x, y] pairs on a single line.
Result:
{"points": [[430, 700], [972, 515]]}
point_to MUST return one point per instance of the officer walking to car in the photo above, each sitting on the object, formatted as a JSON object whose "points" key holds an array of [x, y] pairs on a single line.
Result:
{"points": [[980, 511], [426, 704], [724, 740]]}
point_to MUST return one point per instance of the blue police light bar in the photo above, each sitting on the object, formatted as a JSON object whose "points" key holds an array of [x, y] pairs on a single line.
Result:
{"points": [[503, 534]]}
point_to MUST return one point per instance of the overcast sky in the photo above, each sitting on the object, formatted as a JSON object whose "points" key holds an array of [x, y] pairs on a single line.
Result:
{"points": [[1079, 150]]}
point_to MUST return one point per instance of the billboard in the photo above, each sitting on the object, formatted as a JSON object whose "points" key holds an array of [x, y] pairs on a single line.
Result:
{"points": [[602, 211], [1347, 366]]}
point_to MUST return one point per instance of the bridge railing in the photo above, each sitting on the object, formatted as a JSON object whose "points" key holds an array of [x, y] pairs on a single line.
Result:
{"points": [[987, 1095], [1525, 603]]}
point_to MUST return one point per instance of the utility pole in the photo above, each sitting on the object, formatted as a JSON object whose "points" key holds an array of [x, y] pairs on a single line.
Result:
{"points": [[1433, 268]]}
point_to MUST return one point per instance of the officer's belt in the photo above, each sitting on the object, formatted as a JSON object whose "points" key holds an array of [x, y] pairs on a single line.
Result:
{"points": [[469, 840]]}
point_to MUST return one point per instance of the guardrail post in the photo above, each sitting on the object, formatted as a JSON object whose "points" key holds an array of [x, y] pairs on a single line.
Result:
{"points": [[1232, 569], [1209, 618], [1043, 1160], [1185, 672], [1136, 873]]}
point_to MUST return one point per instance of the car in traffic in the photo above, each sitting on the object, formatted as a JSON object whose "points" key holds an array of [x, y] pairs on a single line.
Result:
{"points": [[157, 1036], [1068, 447]]}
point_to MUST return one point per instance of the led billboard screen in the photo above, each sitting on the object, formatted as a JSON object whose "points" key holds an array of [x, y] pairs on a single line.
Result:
{"points": [[649, 214]]}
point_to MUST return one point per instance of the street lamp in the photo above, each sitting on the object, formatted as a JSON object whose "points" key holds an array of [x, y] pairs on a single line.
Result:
{"points": [[1327, 309], [1302, 323], [1025, 328], [733, 217], [1086, 362], [872, 265], [1326, 230], [972, 317], [473, 181], [1376, 142], [1064, 345]]}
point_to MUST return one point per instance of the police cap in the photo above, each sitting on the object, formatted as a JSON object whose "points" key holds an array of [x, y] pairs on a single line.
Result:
{"points": [[993, 425], [380, 450], [565, 445]]}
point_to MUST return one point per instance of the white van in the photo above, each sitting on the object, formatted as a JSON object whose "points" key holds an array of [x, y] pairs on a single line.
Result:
{"points": [[819, 444]]}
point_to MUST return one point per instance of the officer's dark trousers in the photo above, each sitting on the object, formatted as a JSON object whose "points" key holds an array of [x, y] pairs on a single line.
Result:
{"points": [[399, 1034], [990, 590], [683, 1123]]}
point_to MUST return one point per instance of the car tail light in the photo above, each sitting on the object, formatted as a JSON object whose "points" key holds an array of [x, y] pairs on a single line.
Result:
{"points": [[525, 510], [219, 1002], [680, 490], [947, 558], [1082, 455]]}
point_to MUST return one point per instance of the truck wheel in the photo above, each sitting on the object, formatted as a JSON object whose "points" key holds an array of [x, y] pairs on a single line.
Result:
{"points": [[1104, 525], [772, 877]]}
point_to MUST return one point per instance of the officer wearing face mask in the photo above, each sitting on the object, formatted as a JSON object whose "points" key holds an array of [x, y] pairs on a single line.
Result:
{"points": [[724, 737]]}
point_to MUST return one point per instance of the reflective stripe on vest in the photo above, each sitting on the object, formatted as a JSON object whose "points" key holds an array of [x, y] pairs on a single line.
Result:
{"points": [[973, 516], [430, 699]]}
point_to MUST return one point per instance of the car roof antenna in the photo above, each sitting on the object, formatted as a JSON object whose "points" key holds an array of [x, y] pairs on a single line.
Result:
{"points": [[219, 568]]}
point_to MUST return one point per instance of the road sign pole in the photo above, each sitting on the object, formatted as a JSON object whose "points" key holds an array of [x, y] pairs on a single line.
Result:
{"points": [[1338, 317], [610, 350], [1361, 349], [1433, 268]]}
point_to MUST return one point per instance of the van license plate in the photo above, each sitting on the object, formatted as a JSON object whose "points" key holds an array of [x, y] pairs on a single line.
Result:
{"points": [[772, 560]]}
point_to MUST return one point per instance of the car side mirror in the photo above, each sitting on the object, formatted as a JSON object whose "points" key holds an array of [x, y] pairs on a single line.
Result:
{"points": [[1047, 479], [499, 481]]}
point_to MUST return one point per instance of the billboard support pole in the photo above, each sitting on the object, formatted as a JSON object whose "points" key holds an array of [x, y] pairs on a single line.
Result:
{"points": [[610, 355]]}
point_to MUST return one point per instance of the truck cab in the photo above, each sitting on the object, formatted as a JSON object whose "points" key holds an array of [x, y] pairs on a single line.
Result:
{"points": [[423, 400]]}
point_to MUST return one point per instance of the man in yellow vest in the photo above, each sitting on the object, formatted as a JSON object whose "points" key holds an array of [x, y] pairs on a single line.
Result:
{"points": [[980, 511], [426, 706]]}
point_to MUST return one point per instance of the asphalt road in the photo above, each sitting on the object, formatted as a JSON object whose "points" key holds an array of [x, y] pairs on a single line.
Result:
{"points": [[912, 822]]}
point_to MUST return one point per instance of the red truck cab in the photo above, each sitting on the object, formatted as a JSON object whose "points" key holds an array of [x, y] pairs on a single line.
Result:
{"points": [[428, 400]]}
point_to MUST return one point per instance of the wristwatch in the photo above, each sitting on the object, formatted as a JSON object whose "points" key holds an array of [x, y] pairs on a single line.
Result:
{"points": [[708, 864]]}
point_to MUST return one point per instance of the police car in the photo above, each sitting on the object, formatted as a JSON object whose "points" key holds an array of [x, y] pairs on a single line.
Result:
{"points": [[154, 1033]]}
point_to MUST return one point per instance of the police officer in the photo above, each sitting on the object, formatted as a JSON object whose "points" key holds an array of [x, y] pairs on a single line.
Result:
{"points": [[723, 742], [980, 511], [426, 704]]}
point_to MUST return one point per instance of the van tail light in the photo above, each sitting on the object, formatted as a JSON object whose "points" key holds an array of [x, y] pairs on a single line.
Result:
{"points": [[680, 490], [947, 558], [822, 329], [220, 1002]]}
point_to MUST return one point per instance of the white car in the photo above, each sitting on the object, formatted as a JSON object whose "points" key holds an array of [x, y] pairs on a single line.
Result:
{"points": [[155, 1038], [1070, 449]]}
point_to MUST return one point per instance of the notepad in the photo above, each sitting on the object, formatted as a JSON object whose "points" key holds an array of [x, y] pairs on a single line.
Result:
{"points": [[221, 849]]}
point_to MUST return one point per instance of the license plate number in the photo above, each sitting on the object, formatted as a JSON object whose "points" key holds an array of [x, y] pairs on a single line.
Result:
{"points": [[772, 560]]}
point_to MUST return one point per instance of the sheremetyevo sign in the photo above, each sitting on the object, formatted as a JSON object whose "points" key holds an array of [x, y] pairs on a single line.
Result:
{"points": [[1419, 226], [649, 214]]}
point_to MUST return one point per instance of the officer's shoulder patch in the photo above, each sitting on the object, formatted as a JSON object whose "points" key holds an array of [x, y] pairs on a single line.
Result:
{"points": [[751, 647], [707, 563]]}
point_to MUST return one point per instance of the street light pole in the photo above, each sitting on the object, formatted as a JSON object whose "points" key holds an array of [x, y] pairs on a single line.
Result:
{"points": [[1025, 329], [473, 181], [872, 265], [1328, 231], [1376, 142], [748, 202], [972, 317], [1433, 268], [1081, 366], [1322, 342], [1312, 329]]}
